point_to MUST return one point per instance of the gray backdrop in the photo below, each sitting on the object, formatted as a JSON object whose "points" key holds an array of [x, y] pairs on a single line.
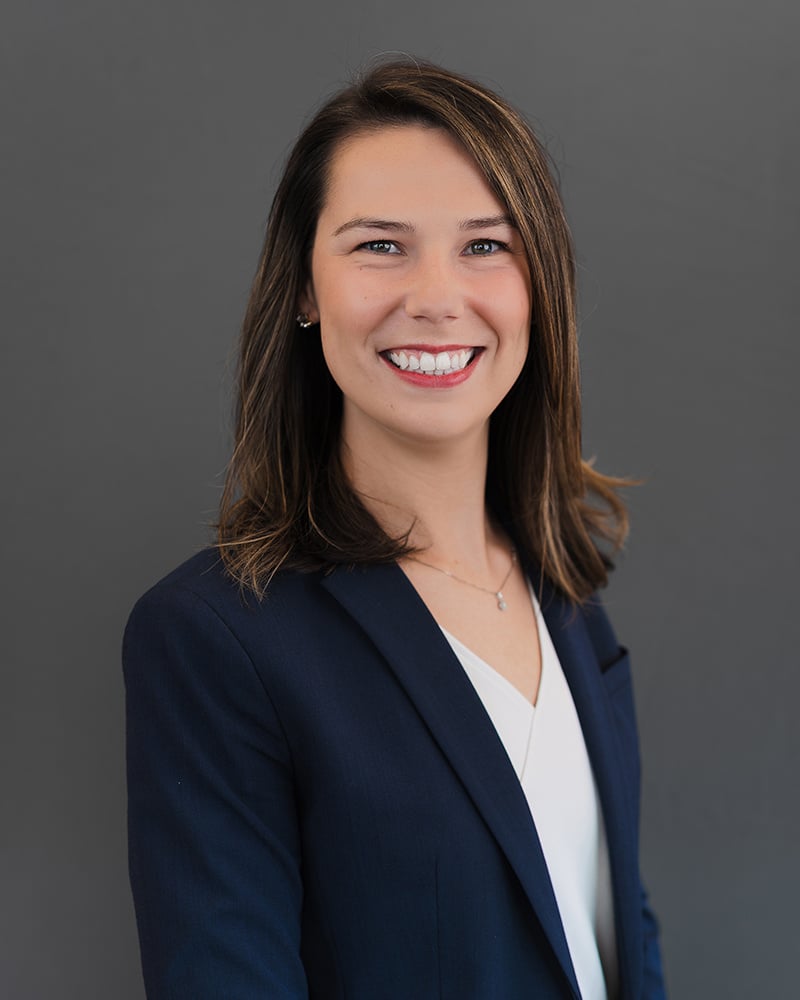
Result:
{"points": [[140, 147]]}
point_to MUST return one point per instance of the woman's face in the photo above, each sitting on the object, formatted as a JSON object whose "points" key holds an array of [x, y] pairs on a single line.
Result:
{"points": [[421, 288]]}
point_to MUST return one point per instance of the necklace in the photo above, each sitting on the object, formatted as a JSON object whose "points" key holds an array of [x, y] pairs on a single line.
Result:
{"points": [[497, 594]]}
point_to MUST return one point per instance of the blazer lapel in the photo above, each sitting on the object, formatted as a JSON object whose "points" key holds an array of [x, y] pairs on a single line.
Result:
{"points": [[579, 663], [391, 613]]}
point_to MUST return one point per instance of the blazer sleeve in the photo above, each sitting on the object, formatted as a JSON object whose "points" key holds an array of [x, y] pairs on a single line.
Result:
{"points": [[213, 833]]}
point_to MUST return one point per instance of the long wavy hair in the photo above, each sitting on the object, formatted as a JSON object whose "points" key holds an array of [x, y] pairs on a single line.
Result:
{"points": [[287, 502]]}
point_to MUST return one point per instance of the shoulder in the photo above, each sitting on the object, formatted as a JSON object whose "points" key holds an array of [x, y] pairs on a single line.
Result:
{"points": [[204, 576], [199, 602], [198, 652], [197, 589], [203, 580]]}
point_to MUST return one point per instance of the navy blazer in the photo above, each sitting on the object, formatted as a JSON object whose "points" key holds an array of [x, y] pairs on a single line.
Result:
{"points": [[319, 805]]}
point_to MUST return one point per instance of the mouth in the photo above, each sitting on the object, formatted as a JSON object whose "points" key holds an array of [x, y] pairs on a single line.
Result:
{"points": [[434, 364]]}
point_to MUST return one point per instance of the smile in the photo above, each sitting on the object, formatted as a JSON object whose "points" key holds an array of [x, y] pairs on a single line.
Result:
{"points": [[427, 363]]}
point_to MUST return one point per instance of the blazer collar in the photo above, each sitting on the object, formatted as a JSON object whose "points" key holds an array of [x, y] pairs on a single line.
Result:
{"points": [[386, 606]]}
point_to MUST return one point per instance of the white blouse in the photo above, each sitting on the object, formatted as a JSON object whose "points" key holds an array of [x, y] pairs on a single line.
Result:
{"points": [[546, 748]]}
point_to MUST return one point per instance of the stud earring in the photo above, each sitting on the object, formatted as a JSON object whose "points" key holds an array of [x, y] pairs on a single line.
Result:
{"points": [[303, 321]]}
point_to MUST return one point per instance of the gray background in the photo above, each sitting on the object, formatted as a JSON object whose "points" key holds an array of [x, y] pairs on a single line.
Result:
{"points": [[140, 147]]}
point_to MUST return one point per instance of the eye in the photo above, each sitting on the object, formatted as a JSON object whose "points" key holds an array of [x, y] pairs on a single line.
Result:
{"points": [[379, 246], [484, 248]]}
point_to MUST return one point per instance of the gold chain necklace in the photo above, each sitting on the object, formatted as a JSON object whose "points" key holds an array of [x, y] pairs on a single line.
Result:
{"points": [[496, 594]]}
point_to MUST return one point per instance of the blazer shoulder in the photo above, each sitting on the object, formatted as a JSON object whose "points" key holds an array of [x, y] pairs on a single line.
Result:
{"points": [[202, 589], [205, 575], [204, 572]]}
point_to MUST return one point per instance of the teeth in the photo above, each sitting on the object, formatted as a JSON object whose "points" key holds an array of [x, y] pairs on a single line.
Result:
{"points": [[443, 363], [427, 362]]}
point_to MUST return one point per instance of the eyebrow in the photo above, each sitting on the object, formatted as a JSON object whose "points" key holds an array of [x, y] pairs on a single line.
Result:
{"points": [[393, 226], [385, 224], [487, 223]]}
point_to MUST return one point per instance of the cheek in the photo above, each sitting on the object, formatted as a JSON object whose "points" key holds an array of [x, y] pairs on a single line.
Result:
{"points": [[509, 284], [350, 321], [347, 303], [509, 306]]}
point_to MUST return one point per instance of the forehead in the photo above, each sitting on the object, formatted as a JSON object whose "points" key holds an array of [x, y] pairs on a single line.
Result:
{"points": [[406, 165]]}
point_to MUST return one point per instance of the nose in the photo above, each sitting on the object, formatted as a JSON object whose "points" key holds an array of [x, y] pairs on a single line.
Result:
{"points": [[434, 291]]}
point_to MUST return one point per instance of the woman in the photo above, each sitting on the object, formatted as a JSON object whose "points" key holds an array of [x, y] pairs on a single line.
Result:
{"points": [[381, 740]]}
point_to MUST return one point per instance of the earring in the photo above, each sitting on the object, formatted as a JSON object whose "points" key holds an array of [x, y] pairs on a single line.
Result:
{"points": [[303, 321]]}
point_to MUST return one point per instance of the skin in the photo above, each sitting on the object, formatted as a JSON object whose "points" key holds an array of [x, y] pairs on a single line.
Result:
{"points": [[414, 253], [433, 284]]}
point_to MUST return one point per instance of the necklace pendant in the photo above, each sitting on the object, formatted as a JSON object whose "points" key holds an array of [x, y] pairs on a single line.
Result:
{"points": [[496, 594]]}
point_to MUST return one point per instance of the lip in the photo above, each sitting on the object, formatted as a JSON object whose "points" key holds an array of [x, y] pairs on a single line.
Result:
{"points": [[447, 381]]}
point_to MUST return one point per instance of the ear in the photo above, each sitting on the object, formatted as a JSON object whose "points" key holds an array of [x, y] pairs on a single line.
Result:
{"points": [[307, 303]]}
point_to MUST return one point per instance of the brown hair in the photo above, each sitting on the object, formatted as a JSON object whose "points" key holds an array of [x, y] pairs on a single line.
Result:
{"points": [[287, 501]]}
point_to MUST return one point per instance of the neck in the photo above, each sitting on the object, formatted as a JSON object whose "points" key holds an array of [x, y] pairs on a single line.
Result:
{"points": [[433, 492]]}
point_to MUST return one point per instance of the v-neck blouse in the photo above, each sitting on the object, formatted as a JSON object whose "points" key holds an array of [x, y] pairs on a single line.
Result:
{"points": [[545, 746]]}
